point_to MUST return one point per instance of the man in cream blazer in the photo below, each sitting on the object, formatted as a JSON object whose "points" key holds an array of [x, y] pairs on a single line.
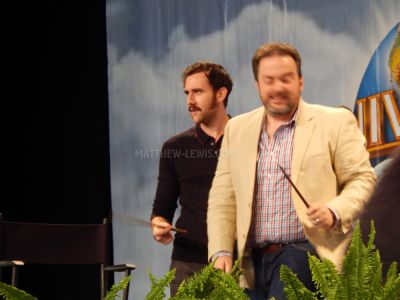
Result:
{"points": [[329, 165]]}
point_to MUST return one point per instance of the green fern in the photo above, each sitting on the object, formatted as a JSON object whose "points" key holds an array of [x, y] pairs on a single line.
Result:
{"points": [[12, 293], [158, 286], [294, 289], [211, 283], [121, 285], [361, 277], [391, 289], [325, 277], [207, 284]]}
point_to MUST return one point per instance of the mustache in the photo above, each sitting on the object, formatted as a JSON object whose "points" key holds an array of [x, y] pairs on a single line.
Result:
{"points": [[194, 108]]}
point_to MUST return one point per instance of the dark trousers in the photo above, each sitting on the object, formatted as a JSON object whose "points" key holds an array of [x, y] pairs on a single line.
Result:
{"points": [[183, 270], [267, 267]]}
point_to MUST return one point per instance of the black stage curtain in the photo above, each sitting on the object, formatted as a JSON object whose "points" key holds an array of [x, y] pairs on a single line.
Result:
{"points": [[60, 106]]}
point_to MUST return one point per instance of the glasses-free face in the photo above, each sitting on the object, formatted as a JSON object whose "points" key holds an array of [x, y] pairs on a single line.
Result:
{"points": [[201, 98], [279, 85]]}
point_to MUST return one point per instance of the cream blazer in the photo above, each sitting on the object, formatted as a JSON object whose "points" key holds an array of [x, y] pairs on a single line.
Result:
{"points": [[330, 164]]}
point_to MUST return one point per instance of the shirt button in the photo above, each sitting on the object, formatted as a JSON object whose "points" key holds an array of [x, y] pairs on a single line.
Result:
{"points": [[249, 204], [212, 143], [244, 236]]}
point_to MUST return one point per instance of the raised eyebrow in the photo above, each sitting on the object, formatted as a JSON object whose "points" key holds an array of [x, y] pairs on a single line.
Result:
{"points": [[193, 90]]}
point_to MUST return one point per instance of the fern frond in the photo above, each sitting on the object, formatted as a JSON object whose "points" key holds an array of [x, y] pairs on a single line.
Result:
{"points": [[391, 274], [324, 274], [361, 277], [198, 285], [375, 289], [391, 289], [121, 285], [371, 272], [335, 292], [294, 288], [371, 237], [158, 286], [356, 269], [226, 287], [351, 265], [211, 283], [236, 270], [12, 293]]}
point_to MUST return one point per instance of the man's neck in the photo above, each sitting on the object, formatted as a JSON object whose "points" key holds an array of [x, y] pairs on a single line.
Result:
{"points": [[272, 122], [215, 128]]}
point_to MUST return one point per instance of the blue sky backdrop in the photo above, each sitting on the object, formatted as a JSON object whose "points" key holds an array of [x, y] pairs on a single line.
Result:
{"points": [[151, 41]]}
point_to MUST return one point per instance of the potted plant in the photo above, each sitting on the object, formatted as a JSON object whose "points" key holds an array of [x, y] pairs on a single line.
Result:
{"points": [[361, 277]]}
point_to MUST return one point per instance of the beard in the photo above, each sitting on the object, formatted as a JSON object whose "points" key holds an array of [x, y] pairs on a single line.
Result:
{"points": [[284, 108]]}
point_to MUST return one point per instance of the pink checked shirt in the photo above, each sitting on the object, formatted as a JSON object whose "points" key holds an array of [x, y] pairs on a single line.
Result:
{"points": [[274, 217]]}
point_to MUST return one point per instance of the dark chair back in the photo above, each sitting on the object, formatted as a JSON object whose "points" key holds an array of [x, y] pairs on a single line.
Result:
{"points": [[73, 244], [55, 243]]}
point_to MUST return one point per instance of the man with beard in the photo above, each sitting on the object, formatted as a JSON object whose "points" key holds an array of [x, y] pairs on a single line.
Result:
{"points": [[187, 166], [323, 152]]}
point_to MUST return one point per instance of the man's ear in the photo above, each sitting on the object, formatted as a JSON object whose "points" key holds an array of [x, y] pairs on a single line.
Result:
{"points": [[221, 94]]}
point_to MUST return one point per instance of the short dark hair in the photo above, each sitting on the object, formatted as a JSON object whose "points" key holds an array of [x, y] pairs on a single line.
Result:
{"points": [[216, 75], [281, 49]]}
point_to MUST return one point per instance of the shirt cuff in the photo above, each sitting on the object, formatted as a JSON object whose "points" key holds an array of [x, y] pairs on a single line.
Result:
{"points": [[335, 215]]}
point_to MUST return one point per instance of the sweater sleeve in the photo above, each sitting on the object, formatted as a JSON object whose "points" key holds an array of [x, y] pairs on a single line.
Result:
{"points": [[166, 199]]}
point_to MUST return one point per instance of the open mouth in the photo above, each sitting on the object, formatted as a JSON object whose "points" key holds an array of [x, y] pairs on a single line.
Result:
{"points": [[279, 98]]}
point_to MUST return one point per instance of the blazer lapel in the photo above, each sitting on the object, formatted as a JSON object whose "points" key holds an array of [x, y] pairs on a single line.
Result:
{"points": [[250, 144], [304, 128]]}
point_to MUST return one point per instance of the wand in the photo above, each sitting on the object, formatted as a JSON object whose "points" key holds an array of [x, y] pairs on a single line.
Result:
{"points": [[137, 221], [295, 188]]}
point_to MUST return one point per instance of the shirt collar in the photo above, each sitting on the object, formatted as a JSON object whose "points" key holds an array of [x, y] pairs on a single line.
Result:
{"points": [[292, 121], [201, 135]]}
